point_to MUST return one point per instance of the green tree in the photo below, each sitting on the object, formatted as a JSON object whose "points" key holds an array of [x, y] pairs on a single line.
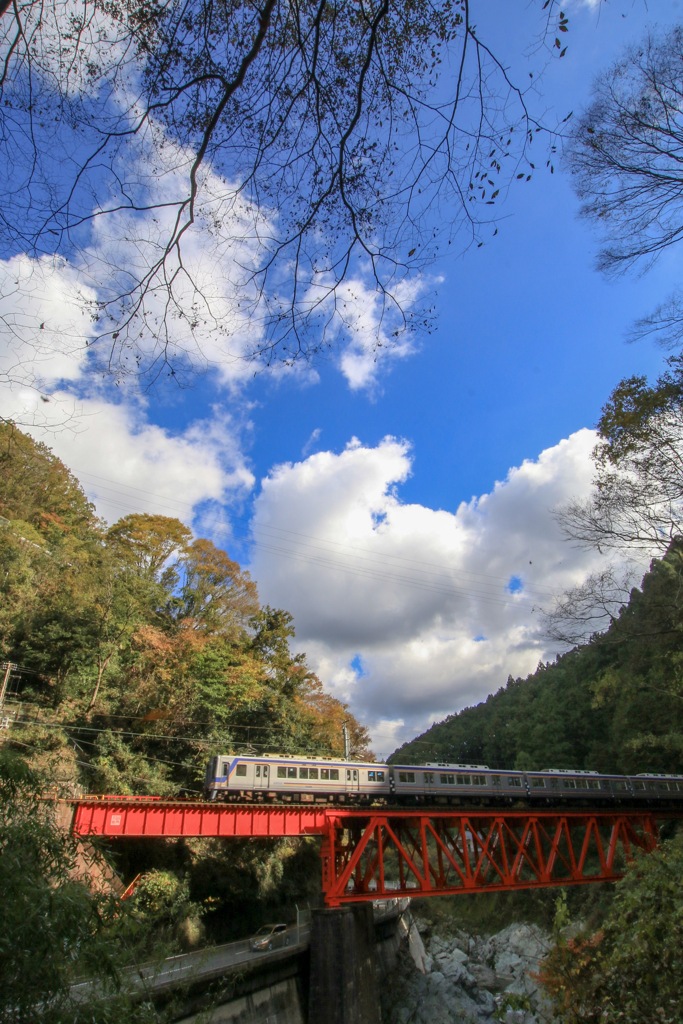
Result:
{"points": [[637, 500], [152, 543], [636, 503], [53, 929], [38, 490], [630, 971]]}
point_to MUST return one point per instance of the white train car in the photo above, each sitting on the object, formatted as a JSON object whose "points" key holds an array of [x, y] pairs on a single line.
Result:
{"points": [[295, 779]]}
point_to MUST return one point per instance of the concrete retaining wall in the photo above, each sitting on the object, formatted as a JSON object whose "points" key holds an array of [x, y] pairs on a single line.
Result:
{"points": [[275, 1004]]}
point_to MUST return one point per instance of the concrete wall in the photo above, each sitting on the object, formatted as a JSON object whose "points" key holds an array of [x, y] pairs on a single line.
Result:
{"points": [[343, 981], [275, 1004], [349, 955]]}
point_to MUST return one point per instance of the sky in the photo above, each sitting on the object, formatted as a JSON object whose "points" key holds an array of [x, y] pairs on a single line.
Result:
{"points": [[398, 502]]}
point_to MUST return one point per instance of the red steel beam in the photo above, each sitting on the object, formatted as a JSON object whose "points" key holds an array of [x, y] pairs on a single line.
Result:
{"points": [[445, 853], [126, 818], [373, 854]]}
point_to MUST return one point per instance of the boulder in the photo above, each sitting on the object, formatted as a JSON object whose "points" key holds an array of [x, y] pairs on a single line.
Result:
{"points": [[472, 979]]}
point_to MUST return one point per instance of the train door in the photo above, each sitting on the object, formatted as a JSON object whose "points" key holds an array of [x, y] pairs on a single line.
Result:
{"points": [[261, 776], [352, 780]]}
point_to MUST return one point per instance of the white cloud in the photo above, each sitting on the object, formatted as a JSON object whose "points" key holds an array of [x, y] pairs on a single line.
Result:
{"points": [[439, 606], [45, 328], [374, 333], [128, 464], [125, 462]]}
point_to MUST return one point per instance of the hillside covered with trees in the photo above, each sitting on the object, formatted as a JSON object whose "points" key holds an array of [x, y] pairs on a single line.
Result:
{"points": [[137, 650], [614, 704], [139, 646]]}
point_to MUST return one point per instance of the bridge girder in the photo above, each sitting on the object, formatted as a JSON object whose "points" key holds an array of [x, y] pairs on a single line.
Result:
{"points": [[376, 854]]}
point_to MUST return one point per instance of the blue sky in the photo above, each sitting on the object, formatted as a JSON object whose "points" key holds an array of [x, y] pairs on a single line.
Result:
{"points": [[400, 509]]}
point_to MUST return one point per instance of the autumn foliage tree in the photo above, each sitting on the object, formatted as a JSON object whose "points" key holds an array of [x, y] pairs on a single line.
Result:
{"points": [[150, 643]]}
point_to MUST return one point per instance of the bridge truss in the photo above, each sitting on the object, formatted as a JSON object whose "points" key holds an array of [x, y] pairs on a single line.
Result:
{"points": [[376, 854]]}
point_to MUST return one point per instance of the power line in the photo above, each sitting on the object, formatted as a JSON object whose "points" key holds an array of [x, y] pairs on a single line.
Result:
{"points": [[324, 551]]}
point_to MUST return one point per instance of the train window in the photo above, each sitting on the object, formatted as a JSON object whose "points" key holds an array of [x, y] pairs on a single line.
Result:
{"points": [[334, 774], [291, 772], [429, 778], [514, 780], [281, 772], [619, 786], [380, 776], [581, 783], [537, 783], [406, 776], [225, 767], [240, 770], [447, 780], [303, 773], [313, 773], [495, 780], [640, 786], [464, 780], [593, 784], [351, 774], [478, 780], [324, 773], [258, 771], [570, 783]]}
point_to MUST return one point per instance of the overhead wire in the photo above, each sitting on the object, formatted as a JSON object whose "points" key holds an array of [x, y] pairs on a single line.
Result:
{"points": [[131, 733], [335, 555]]}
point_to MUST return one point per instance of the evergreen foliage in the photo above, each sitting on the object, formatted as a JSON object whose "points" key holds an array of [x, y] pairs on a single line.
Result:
{"points": [[629, 971], [144, 650], [54, 930], [612, 705], [141, 644]]}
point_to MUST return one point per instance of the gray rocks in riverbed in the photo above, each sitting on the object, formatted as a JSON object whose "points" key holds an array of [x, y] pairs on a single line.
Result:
{"points": [[465, 979]]}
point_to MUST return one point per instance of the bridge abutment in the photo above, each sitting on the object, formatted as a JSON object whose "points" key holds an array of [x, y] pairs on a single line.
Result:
{"points": [[343, 977]]}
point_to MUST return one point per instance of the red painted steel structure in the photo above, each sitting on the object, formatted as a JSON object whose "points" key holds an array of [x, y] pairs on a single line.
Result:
{"points": [[373, 854]]}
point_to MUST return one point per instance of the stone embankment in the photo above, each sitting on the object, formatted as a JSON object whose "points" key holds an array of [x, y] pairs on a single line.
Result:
{"points": [[467, 979]]}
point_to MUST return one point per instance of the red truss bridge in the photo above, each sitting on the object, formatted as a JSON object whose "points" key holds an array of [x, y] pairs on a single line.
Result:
{"points": [[375, 854]]}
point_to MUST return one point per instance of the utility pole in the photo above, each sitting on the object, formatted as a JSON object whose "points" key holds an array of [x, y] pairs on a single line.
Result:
{"points": [[347, 749], [8, 667]]}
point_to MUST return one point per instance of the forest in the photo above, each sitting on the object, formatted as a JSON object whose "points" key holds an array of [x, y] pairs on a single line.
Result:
{"points": [[137, 649], [611, 705], [132, 650]]}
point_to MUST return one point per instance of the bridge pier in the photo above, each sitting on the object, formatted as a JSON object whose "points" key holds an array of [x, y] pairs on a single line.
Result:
{"points": [[343, 980]]}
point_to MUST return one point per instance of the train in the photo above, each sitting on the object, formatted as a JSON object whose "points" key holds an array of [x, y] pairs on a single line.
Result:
{"points": [[284, 778]]}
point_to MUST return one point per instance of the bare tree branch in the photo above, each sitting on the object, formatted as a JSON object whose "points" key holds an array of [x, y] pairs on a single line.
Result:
{"points": [[316, 144]]}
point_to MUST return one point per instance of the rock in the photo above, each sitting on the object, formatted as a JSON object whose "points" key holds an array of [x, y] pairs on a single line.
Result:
{"points": [[486, 1002], [485, 977], [462, 974], [455, 971], [508, 964]]}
